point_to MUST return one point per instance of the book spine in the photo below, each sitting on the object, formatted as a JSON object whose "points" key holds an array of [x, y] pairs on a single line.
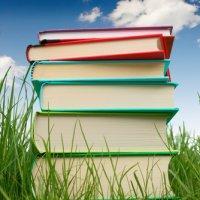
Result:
{"points": [[168, 74], [168, 43]]}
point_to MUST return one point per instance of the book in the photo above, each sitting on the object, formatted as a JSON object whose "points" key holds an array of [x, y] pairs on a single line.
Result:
{"points": [[123, 130], [137, 47], [80, 34], [105, 94], [144, 172], [60, 70]]}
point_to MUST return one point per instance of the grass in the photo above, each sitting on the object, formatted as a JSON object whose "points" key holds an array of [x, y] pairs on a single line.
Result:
{"points": [[16, 156]]}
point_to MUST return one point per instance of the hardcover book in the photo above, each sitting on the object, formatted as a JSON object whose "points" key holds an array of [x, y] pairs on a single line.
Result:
{"points": [[102, 94], [123, 130], [80, 34], [60, 70], [133, 172], [140, 47]]}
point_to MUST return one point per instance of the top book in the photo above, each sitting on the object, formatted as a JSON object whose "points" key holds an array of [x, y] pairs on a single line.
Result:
{"points": [[78, 34]]}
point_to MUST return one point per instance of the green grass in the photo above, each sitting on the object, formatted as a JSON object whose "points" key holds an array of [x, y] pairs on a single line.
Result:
{"points": [[16, 156]]}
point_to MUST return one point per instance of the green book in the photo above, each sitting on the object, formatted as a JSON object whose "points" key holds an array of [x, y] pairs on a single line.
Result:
{"points": [[127, 130], [76, 95], [102, 69]]}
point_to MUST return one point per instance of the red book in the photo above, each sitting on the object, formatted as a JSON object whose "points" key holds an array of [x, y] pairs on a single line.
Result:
{"points": [[169, 75], [134, 47]]}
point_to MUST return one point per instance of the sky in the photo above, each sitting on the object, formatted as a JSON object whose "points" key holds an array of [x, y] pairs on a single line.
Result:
{"points": [[21, 20]]}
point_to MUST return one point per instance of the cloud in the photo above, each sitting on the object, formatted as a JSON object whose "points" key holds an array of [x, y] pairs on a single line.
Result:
{"points": [[198, 41], [177, 13], [90, 16], [7, 62]]}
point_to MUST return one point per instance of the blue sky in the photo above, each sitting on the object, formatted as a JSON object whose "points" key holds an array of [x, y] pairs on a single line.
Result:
{"points": [[21, 20]]}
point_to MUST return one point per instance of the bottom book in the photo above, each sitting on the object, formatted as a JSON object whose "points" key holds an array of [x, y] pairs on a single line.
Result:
{"points": [[133, 174]]}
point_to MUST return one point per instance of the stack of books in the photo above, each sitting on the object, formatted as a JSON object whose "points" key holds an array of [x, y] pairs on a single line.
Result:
{"points": [[106, 95]]}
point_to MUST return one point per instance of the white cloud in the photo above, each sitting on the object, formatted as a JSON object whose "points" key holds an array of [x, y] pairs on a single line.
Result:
{"points": [[7, 62], [177, 13], [90, 16], [198, 41]]}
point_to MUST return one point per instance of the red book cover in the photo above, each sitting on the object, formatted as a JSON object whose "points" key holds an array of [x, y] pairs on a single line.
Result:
{"points": [[168, 42], [168, 74]]}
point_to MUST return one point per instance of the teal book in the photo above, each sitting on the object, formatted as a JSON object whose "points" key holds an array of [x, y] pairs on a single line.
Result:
{"points": [[97, 95], [101, 69], [127, 130]]}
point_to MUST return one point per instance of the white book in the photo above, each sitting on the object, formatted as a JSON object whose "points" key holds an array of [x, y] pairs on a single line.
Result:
{"points": [[78, 34]]}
